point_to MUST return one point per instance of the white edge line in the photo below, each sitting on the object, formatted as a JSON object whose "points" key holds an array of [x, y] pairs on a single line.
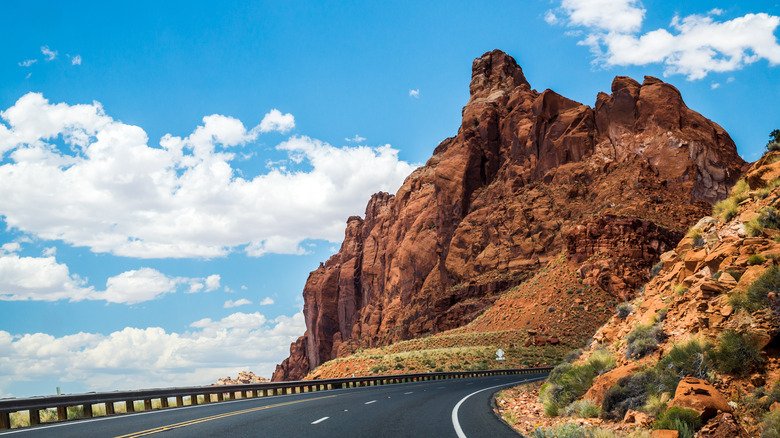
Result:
{"points": [[456, 423], [369, 402], [320, 420], [407, 393]]}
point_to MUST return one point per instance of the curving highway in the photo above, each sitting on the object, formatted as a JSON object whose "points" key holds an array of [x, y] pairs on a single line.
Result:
{"points": [[440, 408]]}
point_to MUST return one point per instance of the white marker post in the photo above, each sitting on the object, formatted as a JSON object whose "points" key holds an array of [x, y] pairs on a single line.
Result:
{"points": [[500, 354]]}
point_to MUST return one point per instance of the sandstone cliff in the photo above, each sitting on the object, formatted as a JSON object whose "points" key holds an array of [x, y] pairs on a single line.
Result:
{"points": [[528, 176]]}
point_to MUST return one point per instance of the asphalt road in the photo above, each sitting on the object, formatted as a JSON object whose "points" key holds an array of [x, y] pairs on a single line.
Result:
{"points": [[441, 408]]}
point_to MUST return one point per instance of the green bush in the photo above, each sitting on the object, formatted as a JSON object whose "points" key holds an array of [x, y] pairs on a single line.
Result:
{"points": [[643, 340], [656, 269], [623, 310], [633, 392], [774, 141], [774, 393], [768, 217], [568, 430], [656, 403], [697, 239], [770, 427], [583, 409], [736, 353], [683, 420], [756, 259], [688, 359], [756, 296], [567, 382]]}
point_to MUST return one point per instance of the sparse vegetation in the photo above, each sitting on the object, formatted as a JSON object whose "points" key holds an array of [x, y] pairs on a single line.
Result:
{"points": [[756, 296], [623, 310], [571, 430], [736, 353], [583, 409], [656, 403], [756, 259], [685, 421], [656, 269], [568, 382], [697, 238], [728, 208], [679, 289], [643, 340], [688, 359], [771, 425]]}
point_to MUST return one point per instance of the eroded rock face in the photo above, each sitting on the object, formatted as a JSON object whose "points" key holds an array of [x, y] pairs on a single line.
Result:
{"points": [[702, 397], [528, 175]]}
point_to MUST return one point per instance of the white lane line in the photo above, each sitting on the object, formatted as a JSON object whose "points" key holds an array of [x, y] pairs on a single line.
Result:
{"points": [[320, 420], [407, 393], [456, 423], [368, 403]]}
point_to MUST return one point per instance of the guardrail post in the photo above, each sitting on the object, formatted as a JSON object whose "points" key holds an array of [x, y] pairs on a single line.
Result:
{"points": [[87, 410], [179, 401], [110, 408], [164, 402], [148, 404], [35, 417], [62, 413], [5, 420], [129, 406]]}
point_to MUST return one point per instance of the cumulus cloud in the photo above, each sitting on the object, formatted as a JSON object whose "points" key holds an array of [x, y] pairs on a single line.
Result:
{"points": [[229, 304], [212, 282], [48, 53], [414, 93], [46, 279], [276, 121], [72, 173], [75, 60], [267, 301], [135, 358], [694, 45]]}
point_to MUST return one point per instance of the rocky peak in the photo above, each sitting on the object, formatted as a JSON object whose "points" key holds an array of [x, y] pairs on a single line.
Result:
{"points": [[495, 70]]}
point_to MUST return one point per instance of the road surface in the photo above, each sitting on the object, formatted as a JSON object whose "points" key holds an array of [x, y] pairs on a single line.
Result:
{"points": [[440, 408]]}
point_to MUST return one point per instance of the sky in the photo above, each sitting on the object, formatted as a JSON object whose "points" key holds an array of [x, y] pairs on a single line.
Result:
{"points": [[170, 172]]}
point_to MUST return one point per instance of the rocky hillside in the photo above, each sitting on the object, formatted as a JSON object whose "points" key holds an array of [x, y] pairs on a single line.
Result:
{"points": [[528, 177], [698, 349]]}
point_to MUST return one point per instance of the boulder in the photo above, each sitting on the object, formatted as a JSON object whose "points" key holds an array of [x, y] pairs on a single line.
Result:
{"points": [[723, 425], [607, 380], [665, 433], [699, 395]]}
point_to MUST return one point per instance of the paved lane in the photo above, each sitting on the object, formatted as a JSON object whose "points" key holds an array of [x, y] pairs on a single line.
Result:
{"points": [[440, 408]]}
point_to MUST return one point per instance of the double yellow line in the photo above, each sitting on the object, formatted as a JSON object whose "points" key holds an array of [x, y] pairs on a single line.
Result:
{"points": [[215, 417]]}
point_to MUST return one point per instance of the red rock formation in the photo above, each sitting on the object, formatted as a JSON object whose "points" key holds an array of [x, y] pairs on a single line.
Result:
{"points": [[527, 175]]}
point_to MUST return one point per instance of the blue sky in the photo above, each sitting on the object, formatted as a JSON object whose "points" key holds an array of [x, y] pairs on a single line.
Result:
{"points": [[113, 242]]}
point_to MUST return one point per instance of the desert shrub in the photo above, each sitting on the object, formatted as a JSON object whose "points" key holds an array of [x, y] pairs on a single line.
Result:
{"points": [[697, 238], [656, 403], [568, 430], [656, 269], [774, 141], [567, 382], [688, 359], [774, 393], [643, 340], [736, 353], [630, 392], [756, 259], [770, 427], [379, 368], [679, 289], [756, 296], [623, 310], [583, 409], [572, 355], [683, 420], [768, 217]]}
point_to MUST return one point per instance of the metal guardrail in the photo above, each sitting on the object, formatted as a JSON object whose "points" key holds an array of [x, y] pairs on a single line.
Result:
{"points": [[225, 392]]}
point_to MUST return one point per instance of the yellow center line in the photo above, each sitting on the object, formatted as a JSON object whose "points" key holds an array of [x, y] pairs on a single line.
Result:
{"points": [[215, 417]]}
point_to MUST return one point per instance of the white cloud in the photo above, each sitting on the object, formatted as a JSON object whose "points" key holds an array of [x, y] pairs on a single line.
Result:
{"points": [[45, 279], [357, 138], [75, 60], [27, 62], [212, 282], [243, 287], [267, 301], [10, 247], [135, 358], [276, 121], [550, 17], [229, 304], [415, 93], [50, 54], [694, 45], [715, 85], [107, 189], [50, 251]]}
